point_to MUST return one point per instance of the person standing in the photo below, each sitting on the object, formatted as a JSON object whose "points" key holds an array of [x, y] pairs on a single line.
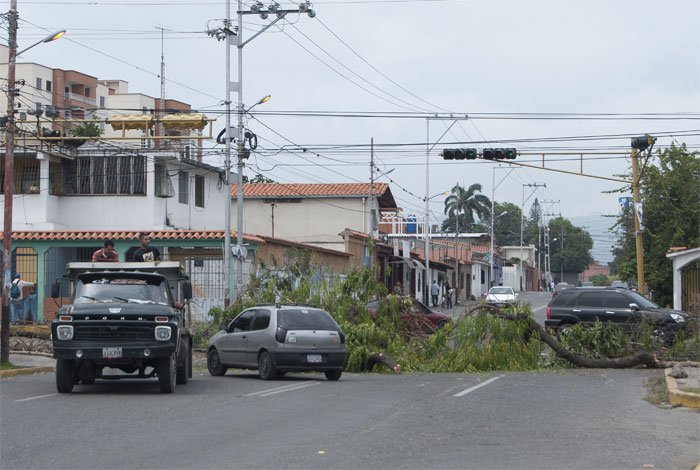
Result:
{"points": [[448, 294], [145, 252], [17, 298], [107, 254], [434, 292]]}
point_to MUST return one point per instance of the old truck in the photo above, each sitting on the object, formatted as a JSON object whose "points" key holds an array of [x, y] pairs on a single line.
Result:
{"points": [[123, 320]]}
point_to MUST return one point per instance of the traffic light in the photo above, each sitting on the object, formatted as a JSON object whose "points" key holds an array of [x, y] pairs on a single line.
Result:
{"points": [[459, 154], [500, 154]]}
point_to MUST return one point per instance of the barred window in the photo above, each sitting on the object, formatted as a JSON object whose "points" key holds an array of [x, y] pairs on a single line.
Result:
{"points": [[26, 176], [199, 191], [183, 187], [99, 174]]}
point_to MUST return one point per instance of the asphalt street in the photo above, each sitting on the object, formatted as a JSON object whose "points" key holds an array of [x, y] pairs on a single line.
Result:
{"points": [[553, 420]]}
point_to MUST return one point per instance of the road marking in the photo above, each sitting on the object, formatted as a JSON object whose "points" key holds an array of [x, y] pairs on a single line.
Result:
{"points": [[471, 389], [37, 397], [539, 308], [284, 388]]}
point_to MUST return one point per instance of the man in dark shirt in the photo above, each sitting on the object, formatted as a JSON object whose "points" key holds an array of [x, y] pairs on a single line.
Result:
{"points": [[107, 254], [145, 252]]}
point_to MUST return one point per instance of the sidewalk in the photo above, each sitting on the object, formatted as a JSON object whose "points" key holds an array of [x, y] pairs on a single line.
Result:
{"points": [[684, 391], [29, 363]]}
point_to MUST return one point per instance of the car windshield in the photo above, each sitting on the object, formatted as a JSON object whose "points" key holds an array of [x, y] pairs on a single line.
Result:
{"points": [[642, 302], [305, 319], [501, 290], [121, 290]]}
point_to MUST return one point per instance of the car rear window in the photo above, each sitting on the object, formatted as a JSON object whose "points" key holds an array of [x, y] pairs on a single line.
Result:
{"points": [[590, 299], [305, 319], [562, 299]]}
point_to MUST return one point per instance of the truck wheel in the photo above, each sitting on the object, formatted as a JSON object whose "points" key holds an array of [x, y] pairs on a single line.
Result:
{"points": [[214, 364], [266, 368], [167, 371], [64, 375], [184, 369]]}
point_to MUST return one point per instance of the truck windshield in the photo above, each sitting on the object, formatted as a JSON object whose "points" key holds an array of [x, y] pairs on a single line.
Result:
{"points": [[121, 290]]}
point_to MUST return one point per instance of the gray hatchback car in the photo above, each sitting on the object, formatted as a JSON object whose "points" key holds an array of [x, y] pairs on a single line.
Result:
{"points": [[276, 339]]}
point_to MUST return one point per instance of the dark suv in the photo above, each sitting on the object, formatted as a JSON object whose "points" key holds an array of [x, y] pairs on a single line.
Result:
{"points": [[588, 305]]}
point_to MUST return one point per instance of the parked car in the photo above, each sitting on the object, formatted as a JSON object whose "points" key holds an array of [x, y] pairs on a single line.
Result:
{"points": [[586, 306], [419, 311], [501, 296], [276, 339], [619, 285], [587, 284], [562, 286]]}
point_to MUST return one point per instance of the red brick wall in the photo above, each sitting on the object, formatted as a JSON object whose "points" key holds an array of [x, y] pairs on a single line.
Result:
{"points": [[50, 307]]}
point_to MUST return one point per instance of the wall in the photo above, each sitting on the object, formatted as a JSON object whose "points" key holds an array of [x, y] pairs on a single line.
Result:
{"points": [[312, 221]]}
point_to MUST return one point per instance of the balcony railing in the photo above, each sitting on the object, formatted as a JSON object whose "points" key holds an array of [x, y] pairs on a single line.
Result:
{"points": [[81, 98]]}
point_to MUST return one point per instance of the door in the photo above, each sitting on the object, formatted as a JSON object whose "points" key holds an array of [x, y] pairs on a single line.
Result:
{"points": [[233, 345], [258, 336], [589, 307], [617, 307]]}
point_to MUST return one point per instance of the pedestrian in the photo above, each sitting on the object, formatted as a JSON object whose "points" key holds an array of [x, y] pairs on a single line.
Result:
{"points": [[145, 252], [448, 296], [551, 285], [17, 298], [434, 292], [106, 254]]}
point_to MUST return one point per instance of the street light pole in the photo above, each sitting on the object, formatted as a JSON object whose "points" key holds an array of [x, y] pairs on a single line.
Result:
{"points": [[8, 181], [522, 224]]}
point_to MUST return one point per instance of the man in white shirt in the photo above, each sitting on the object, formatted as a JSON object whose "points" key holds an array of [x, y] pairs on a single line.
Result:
{"points": [[17, 298]]}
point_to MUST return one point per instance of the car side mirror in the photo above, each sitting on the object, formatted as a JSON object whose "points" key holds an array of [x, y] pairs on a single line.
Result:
{"points": [[634, 307], [186, 290], [56, 289]]}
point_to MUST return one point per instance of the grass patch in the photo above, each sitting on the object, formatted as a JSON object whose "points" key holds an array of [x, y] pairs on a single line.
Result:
{"points": [[690, 389], [9, 366]]}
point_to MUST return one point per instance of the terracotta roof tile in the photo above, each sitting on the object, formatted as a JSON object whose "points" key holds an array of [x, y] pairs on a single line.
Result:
{"points": [[260, 190], [126, 235]]}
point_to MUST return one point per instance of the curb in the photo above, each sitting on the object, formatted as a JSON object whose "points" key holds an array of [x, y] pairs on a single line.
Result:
{"points": [[680, 398], [24, 371]]}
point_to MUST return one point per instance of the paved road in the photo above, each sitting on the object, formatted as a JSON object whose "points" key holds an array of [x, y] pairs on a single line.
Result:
{"points": [[568, 419], [538, 303]]}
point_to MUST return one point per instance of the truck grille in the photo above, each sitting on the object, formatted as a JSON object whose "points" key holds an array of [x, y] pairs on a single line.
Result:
{"points": [[113, 333]]}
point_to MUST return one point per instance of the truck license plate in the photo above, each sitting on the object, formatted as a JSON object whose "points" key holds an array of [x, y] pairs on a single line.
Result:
{"points": [[313, 358], [112, 353]]}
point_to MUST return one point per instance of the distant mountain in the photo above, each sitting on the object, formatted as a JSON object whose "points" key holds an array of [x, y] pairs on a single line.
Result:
{"points": [[598, 226]]}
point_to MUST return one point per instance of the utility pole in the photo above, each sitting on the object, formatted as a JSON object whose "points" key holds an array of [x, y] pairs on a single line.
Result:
{"points": [[638, 230], [8, 182], [373, 210], [522, 224]]}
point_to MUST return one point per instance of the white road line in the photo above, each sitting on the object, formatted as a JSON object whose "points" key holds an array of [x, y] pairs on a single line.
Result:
{"points": [[290, 389], [539, 308], [37, 397], [284, 388], [471, 389]]}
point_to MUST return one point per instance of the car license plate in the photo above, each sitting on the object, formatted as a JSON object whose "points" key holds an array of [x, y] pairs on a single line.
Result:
{"points": [[313, 358], [111, 353]]}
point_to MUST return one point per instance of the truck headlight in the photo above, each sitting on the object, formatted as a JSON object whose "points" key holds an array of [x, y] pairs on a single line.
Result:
{"points": [[64, 332], [163, 333], [677, 318]]}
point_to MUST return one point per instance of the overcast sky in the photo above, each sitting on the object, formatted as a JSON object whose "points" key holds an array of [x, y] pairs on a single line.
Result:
{"points": [[469, 57]]}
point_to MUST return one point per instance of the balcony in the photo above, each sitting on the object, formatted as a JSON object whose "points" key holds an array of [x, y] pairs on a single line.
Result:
{"points": [[80, 98]]}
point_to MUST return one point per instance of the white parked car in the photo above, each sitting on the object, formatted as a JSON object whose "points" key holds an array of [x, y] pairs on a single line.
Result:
{"points": [[502, 296]]}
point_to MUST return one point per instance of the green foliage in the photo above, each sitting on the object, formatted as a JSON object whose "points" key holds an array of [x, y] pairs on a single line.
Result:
{"points": [[575, 252], [89, 129], [671, 199], [258, 178], [600, 280], [464, 207]]}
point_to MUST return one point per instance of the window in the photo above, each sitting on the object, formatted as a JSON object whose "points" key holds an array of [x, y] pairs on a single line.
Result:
{"points": [[87, 92], [39, 106], [99, 174], [84, 175], [26, 176], [183, 187], [124, 175], [262, 320], [38, 83], [617, 300], [111, 172], [187, 151], [164, 186], [562, 299], [199, 191], [102, 102], [590, 299], [48, 85], [242, 322]]}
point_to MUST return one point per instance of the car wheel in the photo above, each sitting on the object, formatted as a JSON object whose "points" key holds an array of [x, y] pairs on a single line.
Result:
{"points": [[333, 374], [214, 364], [183, 371], [266, 368], [64, 375], [167, 372], [441, 324]]}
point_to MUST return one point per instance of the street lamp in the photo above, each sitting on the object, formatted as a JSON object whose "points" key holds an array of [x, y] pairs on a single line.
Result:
{"points": [[12, 17], [49, 38]]}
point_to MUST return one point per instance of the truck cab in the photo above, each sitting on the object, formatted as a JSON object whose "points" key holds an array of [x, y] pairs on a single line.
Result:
{"points": [[123, 320]]}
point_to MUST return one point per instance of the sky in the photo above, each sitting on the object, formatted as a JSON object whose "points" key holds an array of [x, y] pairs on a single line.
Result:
{"points": [[480, 59]]}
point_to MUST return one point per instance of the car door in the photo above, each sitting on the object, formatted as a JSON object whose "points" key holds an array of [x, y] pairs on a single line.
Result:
{"points": [[233, 345], [258, 336], [617, 307], [589, 305]]}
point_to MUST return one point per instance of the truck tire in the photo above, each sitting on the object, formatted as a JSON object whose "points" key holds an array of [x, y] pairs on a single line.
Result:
{"points": [[183, 370], [64, 375], [167, 370]]}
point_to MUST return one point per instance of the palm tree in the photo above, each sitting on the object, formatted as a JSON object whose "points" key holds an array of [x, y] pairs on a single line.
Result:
{"points": [[467, 205]]}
